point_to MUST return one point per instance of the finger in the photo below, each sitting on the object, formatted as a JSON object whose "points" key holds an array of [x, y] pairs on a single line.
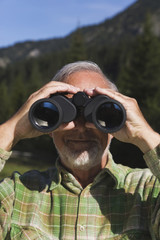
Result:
{"points": [[48, 90], [114, 95], [53, 88], [98, 90]]}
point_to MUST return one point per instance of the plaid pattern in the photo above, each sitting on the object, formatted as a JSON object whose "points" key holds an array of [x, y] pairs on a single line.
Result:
{"points": [[121, 203]]}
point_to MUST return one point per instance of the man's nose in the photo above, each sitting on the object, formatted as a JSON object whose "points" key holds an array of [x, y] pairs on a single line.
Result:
{"points": [[80, 121]]}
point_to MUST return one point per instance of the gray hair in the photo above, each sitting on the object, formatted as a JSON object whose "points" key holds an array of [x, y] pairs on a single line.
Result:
{"points": [[78, 66]]}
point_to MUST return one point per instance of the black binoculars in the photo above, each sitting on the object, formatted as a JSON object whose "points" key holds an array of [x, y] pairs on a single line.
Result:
{"points": [[47, 114]]}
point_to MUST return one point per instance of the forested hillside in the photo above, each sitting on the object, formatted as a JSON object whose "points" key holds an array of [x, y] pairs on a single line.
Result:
{"points": [[126, 47]]}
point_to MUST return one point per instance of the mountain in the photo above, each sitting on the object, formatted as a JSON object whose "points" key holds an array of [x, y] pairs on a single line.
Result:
{"points": [[123, 27]]}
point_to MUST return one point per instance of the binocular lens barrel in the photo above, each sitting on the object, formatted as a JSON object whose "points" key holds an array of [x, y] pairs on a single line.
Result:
{"points": [[106, 114], [109, 115], [45, 115]]}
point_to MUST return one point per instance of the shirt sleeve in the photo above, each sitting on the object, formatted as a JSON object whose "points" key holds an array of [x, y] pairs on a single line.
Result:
{"points": [[4, 156], [152, 159], [6, 197]]}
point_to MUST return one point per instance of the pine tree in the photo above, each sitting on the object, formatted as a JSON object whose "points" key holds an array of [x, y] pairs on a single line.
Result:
{"points": [[77, 51], [140, 79], [34, 81], [5, 108], [18, 94]]}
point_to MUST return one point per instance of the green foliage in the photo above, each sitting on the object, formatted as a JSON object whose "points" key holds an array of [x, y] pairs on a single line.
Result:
{"points": [[5, 108], [139, 78], [18, 93], [77, 50], [34, 79]]}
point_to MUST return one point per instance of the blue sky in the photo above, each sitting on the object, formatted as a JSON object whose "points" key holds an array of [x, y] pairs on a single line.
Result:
{"points": [[22, 20]]}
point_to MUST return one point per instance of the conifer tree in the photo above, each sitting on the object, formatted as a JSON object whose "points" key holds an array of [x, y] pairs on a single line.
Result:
{"points": [[34, 78], [5, 108], [141, 77], [18, 94], [77, 51]]}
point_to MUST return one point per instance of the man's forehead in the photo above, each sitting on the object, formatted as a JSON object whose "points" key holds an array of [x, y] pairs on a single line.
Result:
{"points": [[87, 79]]}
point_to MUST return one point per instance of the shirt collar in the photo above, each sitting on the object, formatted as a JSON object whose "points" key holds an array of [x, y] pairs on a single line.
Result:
{"points": [[116, 171]]}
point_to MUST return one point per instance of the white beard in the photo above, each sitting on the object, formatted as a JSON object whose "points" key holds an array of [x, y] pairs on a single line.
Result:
{"points": [[82, 151], [83, 160]]}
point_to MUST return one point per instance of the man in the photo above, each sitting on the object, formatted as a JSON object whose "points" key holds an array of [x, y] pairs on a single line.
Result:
{"points": [[87, 195]]}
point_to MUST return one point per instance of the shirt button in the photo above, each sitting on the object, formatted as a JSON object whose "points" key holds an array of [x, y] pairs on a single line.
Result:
{"points": [[82, 228], [65, 176]]}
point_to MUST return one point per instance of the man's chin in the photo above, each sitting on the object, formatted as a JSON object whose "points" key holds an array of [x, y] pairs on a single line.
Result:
{"points": [[82, 160]]}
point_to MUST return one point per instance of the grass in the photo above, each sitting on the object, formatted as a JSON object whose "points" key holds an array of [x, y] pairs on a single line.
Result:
{"points": [[22, 165]]}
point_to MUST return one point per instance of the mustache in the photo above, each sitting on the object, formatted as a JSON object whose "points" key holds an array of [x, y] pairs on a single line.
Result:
{"points": [[87, 134]]}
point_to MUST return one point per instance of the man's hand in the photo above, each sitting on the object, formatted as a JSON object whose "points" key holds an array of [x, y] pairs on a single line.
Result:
{"points": [[136, 130], [18, 127]]}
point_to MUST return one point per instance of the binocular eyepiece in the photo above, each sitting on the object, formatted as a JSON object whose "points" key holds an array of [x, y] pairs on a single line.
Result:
{"points": [[47, 114]]}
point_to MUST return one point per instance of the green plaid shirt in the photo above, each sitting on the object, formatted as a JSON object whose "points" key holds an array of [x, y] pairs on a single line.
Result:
{"points": [[121, 203]]}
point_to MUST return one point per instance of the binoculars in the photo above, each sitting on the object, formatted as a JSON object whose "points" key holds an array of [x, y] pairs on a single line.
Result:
{"points": [[47, 114]]}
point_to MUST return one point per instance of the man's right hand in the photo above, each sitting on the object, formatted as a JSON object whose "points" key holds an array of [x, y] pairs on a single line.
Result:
{"points": [[18, 127]]}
